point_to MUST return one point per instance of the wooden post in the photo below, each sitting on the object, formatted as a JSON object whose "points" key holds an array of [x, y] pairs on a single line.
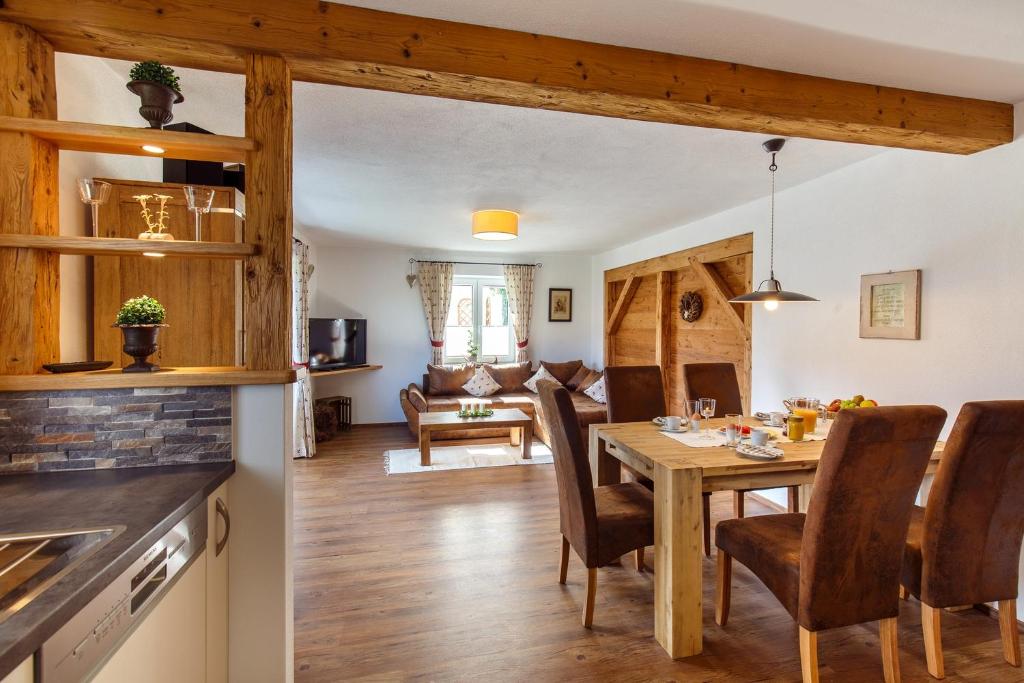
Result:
{"points": [[663, 335], [29, 288], [268, 275]]}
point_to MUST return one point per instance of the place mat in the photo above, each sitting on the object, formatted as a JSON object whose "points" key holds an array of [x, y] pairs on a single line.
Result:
{"points": [[697, 439]]}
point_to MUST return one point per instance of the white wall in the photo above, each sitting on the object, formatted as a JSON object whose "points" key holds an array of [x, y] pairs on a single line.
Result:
{"points": [[370, 283]]}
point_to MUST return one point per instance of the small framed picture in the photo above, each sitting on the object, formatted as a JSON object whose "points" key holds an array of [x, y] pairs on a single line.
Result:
{"points": [[890, 305], [559, 305]]}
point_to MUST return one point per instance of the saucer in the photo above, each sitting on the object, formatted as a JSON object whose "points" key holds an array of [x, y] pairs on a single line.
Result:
{"points": [[681, 430]]}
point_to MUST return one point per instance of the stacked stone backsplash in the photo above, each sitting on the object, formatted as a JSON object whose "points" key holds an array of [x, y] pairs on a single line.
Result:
{"points": [[102, 428]]}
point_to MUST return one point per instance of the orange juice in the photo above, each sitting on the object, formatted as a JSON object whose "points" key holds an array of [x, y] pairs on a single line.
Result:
{"points": [[810, 416]]}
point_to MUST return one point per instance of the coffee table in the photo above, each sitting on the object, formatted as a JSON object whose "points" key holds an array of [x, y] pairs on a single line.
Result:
{"points": [[520, 423]]}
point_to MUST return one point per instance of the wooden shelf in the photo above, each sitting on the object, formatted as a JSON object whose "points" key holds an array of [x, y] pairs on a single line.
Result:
{"points": [[94, 137], [345, 371], [117, 246], [168, 377]]}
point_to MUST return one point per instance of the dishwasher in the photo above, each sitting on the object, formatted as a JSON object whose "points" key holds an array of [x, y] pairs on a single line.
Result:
{"points": [[94, 634]]}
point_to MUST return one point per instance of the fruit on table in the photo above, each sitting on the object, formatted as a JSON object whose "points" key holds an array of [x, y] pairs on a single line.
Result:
{"points": [[834, 406], [868, 403], [857, 401]]}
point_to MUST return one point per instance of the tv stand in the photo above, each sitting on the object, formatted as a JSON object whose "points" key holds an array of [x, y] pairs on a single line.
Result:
{"points": [[344, 371]]}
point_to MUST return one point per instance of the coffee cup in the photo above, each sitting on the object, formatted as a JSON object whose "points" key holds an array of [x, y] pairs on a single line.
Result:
{"points": [[673, 423], [759, 437], [777, 419]]}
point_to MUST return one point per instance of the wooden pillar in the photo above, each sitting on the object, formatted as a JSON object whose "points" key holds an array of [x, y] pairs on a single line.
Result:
{"points": [[29, 278], [663, 335], [268, 274]]}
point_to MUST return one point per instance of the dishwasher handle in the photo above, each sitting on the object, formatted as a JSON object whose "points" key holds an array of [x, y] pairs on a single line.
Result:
{"points": [[222, 510]]}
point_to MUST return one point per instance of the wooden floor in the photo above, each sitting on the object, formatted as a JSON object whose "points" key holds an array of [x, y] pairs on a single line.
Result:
{"points": [[447, 576]]}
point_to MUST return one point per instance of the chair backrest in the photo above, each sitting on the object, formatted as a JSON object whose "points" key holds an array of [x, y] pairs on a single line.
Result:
{"points": [[635, 393], [576, 505], [974, 521], [856, 527], [714, 380]]}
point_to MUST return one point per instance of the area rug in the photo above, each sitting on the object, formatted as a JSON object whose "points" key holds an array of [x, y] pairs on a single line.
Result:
{"points": [[406, 461]]}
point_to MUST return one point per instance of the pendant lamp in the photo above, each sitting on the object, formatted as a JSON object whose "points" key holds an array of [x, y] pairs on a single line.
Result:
{"points": [[770, 291]]}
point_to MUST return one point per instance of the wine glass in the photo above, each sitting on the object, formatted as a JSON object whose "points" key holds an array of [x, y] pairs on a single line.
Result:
{"points": [[94, 193], [199, 200], [707, 409]]}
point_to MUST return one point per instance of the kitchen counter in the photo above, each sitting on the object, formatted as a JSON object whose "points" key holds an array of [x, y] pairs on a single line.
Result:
{"points": [[147, 501]]}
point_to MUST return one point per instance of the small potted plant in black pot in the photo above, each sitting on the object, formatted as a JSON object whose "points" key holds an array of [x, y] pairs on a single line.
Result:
{"points": [[140, 320], [158, 88]]}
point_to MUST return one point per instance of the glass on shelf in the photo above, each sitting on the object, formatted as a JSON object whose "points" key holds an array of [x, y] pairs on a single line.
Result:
{"points": [[199, 200], [94, 193]]}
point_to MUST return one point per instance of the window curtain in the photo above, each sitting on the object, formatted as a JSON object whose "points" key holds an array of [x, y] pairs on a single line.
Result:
{"points": [[305, 443], [436, 291], [519, 284]]}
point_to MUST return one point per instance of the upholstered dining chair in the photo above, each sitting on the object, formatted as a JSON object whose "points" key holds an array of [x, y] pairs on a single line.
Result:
{"points": [[601, 524], [636, 393], [839, 564], [964, 547], [719, 381]]}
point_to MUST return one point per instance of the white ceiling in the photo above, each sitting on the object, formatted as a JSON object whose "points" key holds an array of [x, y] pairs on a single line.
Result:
{"points": [[375, 167]]}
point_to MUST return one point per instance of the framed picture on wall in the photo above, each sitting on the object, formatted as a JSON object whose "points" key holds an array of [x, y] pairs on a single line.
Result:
{"points": [[890, 305], [559, 305]]}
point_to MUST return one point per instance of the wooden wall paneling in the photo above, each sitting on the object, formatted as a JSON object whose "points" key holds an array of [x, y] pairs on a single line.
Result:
{"points": [[711, 252], [29, 288], [623, 296], [267, 293], [352, 46], [663, 310], [720, 292], [634, 338]]}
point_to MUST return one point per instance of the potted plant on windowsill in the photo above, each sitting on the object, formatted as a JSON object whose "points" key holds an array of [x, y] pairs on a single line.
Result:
{"points": [[140, 320], [159, 89]]}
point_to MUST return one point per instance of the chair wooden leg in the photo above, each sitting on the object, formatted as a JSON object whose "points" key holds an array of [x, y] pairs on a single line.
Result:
{"points": [[904, 593], [888, 631], [808, 655], [738, 504], [931, 627], [794, 499], [563, 569], [639, 559], [707, 524], [588, 605], [723, 592], [1008, 631]]}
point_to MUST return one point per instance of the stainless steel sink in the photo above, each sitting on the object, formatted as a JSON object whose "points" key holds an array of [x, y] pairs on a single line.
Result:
{"points": [[30, 562]]}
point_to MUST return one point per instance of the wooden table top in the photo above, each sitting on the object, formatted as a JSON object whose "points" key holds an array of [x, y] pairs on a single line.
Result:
{"points": [[502, 417]]}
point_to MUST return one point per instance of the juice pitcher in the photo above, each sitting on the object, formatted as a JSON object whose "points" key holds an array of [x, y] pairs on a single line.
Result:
{"points": [[807, 408]]}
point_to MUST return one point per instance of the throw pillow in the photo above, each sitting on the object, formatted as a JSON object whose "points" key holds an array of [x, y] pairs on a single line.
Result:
{"points": [[481, 384], [510, 375], [596, 391], [543, 373], [576, 380], [448, 380], [591, 379], [563, 372]]}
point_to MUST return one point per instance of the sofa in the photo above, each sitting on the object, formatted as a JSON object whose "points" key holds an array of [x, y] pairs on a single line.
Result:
{"points": [[441, 391]]}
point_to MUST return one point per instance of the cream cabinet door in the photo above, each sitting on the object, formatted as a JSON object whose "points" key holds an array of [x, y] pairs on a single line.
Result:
{"points": [[218, 520], [169, 646], [25, 673]]}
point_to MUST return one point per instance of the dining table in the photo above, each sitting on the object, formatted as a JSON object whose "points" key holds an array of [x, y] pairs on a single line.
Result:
{"points": [[682, 474]]}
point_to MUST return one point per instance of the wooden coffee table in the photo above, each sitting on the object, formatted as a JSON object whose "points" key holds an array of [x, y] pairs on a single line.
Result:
{"points": [[519, 422]]}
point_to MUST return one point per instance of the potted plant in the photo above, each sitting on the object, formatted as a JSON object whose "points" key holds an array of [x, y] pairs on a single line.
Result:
{"points": [[472, 349], [158, 88], [140, 320]]}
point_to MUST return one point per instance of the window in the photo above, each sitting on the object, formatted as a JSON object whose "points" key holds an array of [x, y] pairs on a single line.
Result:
{"points": [[479, 312]]}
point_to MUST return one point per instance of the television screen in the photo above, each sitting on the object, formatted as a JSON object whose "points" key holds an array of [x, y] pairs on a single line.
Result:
{"points": [[336, 343]]}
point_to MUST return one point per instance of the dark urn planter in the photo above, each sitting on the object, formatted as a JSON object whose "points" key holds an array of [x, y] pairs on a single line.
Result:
{"points": [[157, 101], [140, 343]]}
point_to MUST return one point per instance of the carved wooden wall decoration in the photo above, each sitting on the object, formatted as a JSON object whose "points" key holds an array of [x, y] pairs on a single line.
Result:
{"points": [[691, 306]]}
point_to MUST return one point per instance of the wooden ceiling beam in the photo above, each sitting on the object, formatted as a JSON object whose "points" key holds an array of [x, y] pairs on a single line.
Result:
{"points": [[341, 45]]}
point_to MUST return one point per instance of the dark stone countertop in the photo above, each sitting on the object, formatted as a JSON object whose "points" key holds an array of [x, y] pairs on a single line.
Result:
{"points": [[148, 501]]}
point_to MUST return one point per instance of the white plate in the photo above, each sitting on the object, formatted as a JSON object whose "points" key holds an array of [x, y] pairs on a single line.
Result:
{"points": [[658, 421], [673, 431]]}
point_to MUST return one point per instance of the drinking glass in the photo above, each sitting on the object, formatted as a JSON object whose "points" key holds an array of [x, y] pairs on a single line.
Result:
{"points": [[707, 409], [690, 408], [199, 200], [94, 193], [733, 428]]}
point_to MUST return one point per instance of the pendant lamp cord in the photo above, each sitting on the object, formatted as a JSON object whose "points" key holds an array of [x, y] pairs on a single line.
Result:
{"points": [[771, 269]]}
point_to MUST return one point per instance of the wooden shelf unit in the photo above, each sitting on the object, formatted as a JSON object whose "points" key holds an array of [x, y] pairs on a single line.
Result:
{"points": [[95, 137], [167, 377], [345, 371], [118, 246]]}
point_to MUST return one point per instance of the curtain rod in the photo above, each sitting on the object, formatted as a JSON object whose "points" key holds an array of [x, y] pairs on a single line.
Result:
{"points": [[477, 263]]}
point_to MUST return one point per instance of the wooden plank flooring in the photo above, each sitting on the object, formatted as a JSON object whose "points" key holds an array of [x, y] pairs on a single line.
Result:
{"points": [[453, 576]]}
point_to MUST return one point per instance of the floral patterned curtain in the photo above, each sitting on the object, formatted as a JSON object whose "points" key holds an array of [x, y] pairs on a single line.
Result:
{"points": [[305, 443], [436, 291], [519, 283]]}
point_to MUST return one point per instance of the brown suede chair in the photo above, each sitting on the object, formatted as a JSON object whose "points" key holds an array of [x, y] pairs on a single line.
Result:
{"points": [[964, 548], [601, 524], [718, 381], [636, 393], [839, 564]]}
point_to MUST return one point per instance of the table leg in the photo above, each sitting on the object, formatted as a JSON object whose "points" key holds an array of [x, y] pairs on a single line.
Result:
{"points": [[424, 447], [604, 468], [515, 436], [678, 539], [526, 436]]}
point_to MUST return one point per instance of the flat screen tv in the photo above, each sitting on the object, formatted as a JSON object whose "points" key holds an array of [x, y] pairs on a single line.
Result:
{"points": [[336, 343]]}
